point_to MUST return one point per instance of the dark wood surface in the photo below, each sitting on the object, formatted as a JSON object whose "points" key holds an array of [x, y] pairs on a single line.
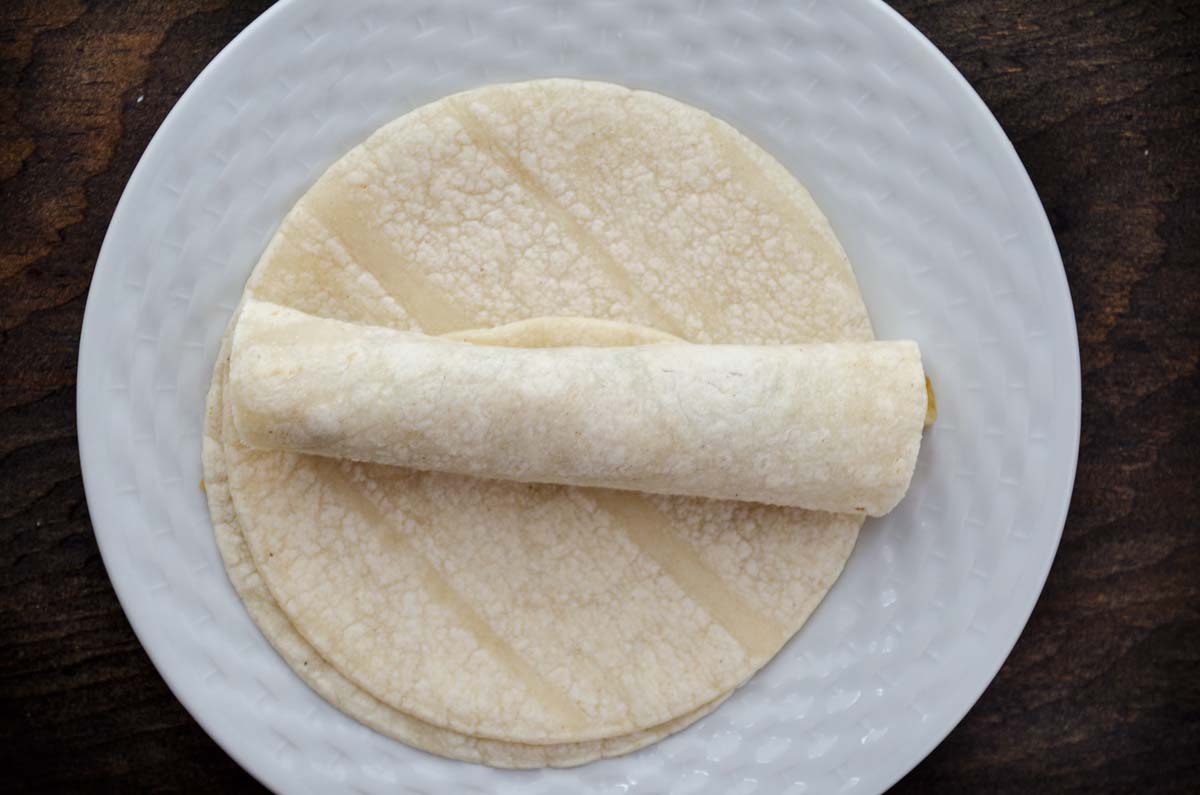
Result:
{"points": [[1102, 99]]}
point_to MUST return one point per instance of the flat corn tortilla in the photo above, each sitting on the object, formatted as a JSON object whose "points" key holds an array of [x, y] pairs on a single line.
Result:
{"points": [[323, 677], [535, 614]]}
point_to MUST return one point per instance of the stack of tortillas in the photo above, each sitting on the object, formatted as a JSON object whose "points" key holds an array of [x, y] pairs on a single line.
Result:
{"points": [[513, 623]]}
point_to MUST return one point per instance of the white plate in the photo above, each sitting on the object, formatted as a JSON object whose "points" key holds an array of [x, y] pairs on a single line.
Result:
{"points": [[945, 233]]}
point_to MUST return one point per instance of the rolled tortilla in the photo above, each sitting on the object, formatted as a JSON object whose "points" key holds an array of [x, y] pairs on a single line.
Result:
{"points": [[830, 427]]}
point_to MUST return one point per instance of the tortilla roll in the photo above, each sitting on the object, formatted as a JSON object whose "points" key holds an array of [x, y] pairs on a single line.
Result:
{"points": [[830, 427]]}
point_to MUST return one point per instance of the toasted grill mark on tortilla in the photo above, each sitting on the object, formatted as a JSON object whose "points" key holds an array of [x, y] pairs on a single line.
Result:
{"points": [[587, 243], [423, 300], [416, 506], [758, 174], [644, 524], [315, 273], [440, 589]]}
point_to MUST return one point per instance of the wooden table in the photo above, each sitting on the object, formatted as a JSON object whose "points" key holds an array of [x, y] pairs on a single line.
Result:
{"points": [[1102, 99]]}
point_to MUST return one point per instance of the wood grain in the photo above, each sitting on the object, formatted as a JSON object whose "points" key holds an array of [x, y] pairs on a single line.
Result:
{"points": [[1102, 100]]}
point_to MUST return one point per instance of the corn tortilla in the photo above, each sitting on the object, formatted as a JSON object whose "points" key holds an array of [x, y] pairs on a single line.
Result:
{"points": [[825, 426], [544, 615], [322, 676]]}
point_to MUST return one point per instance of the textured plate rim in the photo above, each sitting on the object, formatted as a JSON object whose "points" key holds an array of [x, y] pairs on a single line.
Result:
{"points": [[100, 503], [1004, 144]]}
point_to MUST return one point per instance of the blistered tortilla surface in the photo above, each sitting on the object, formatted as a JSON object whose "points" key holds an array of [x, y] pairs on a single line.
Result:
{"points": [[828, 426], [323, 677], [537, 614]]}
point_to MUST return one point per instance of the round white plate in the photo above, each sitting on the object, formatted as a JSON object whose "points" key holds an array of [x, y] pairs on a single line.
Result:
{"points": [[945, 233]]}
